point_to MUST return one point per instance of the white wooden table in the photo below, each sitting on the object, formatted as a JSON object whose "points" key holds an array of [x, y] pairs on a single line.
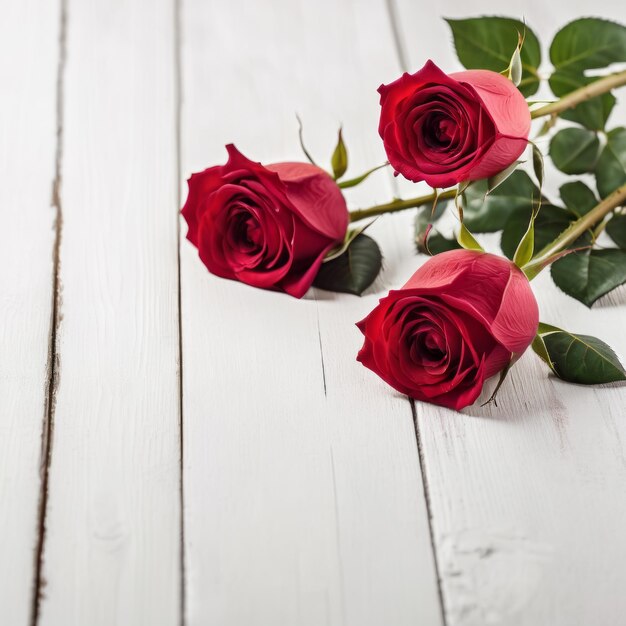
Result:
{"points": [[180, 449]]}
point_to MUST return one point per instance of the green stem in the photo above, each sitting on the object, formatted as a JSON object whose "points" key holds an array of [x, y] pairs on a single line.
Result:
{"points": [[597, 88], [598, 230], [401, 205], [575, 230]]}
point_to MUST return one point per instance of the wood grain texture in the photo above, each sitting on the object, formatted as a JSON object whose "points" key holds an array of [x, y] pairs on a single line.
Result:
{"points": [[111, 552], [303, 494], [28, 71], [528, 499]]}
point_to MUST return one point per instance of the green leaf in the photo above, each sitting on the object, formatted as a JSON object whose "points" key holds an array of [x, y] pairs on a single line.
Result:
{"points": [[592, 114], [616, 229], [585, 44], [525, 249], [351, 235], [339, 160], [485, 212], [590, 275], [467, 240], [577, 358], [539, 348], [578, 198], [549, 224], [515, 67], [488, 43], [354, 271], [588, 43], [575, 150], [493, 182], [353, 182], [611, 166], [538, 165]]}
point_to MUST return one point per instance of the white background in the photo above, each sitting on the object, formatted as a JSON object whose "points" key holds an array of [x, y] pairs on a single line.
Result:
{"points": [[267, 479]]}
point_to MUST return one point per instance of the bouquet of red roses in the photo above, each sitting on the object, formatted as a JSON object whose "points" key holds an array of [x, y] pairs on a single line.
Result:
{"points": [[465, 315]]}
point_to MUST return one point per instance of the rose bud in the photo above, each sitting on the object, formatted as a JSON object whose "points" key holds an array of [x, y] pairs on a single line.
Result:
{"points": [[449, 129], [461, 318], [267, 226]]}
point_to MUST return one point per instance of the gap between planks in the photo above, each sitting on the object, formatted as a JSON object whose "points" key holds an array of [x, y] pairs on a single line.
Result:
{"points": [[47, 430], [392, 12], [429, 511], [56, 316], [178, 82]]}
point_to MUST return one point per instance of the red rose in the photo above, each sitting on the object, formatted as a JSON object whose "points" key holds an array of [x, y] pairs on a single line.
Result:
{"points": [[449, 129], [267, 226], [459, 320]]}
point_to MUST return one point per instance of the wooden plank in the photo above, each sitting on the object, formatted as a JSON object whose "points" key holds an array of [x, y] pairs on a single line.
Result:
{"points": [[528, 499], [303, 495], [28, 70], [111, 553]]}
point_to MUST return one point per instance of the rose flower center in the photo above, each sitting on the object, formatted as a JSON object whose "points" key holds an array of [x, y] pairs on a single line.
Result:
{"points": [[433, 345], [441, 131], [248, 233], [427, 345]]}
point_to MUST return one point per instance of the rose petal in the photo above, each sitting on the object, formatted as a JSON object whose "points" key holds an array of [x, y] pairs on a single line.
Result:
{"points": [[315, 197]]}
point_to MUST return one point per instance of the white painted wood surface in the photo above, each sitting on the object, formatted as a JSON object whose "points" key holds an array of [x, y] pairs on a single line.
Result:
{"points": [[529, 499], [303, 494], [112, 544], [28, 71]]}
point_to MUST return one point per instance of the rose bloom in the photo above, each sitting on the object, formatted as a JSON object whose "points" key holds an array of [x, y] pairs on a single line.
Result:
{"points": [[461, 318], [449, 129], [267, 226]]}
